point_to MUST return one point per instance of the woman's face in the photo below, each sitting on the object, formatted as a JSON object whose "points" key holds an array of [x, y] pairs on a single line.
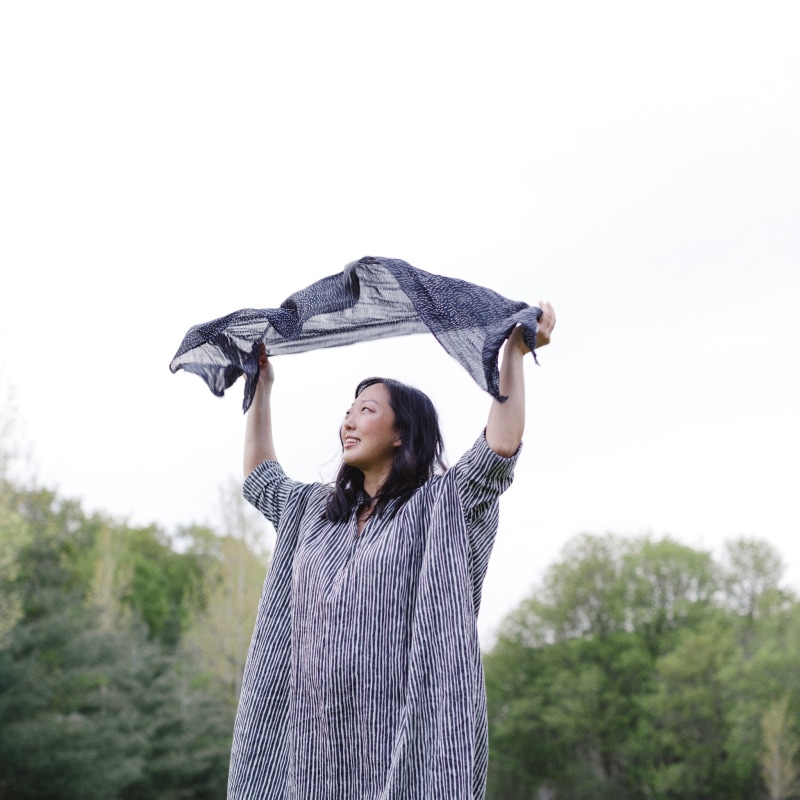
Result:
{"points": [[369, 438]]}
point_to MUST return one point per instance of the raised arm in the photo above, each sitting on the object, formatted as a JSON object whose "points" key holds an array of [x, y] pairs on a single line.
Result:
{"points": [[507, 420], [258, 444]]}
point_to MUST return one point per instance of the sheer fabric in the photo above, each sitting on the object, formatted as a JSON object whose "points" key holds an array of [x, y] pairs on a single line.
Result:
{"points": [[372, 298]]}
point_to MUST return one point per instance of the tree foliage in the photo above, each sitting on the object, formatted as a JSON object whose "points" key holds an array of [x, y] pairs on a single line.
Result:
{"points": [[101, 694], [779, 757], [642, 668], [638, 669]]}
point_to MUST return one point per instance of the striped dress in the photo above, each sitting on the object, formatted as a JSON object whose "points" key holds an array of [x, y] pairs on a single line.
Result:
{"points": [[364, 679]]}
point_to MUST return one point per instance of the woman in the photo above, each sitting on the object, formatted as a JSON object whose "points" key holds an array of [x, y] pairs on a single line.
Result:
{"points": [[363, 679]]}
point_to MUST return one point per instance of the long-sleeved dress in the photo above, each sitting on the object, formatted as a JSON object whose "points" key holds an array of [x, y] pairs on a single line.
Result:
{"points": [[364, 679]]}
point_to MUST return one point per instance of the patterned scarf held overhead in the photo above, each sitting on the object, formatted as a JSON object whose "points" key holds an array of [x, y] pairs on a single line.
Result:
{"points": [[372, 298]]}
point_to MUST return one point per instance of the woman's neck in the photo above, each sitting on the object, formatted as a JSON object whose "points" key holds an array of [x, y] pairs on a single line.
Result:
{"points": [[373, 481]]}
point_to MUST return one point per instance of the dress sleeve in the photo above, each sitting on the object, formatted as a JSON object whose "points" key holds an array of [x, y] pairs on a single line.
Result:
{"points": [[482, 476], [268, 488]]}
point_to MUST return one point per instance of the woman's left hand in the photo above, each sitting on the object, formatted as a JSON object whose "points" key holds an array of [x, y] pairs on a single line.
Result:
{"points": [[544, 329], [546, 324]]}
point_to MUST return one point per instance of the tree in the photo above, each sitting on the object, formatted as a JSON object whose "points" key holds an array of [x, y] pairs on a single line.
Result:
{"points": [[580, 595], [96, 701], [631, 673], [764, 668], [235, 564], [665, 586], [751, 569], [164, 587], [65, 705], [219, 635], [566, 678], [680, 744], [13, 537], [778, 759]]}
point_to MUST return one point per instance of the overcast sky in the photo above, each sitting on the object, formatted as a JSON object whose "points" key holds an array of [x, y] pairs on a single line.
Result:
{"points": [[637, 164]]}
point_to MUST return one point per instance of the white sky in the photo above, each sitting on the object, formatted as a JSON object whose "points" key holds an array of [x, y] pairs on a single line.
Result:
{"points": [[164, 163]]}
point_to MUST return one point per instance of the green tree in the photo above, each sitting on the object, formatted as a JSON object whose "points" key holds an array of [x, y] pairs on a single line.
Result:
{"points": [[763, 670], [163, 586], [665, 587], [752, 570], [581, 595], [779, 756], [641, 669], [219, 636], [566, 678], [95, 700], [13, 537], [605, 585], [681, 739], [235, 566], [64, 704]]}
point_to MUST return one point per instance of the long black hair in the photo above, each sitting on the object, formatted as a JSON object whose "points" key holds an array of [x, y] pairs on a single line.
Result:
{"points": [[419, 456]]}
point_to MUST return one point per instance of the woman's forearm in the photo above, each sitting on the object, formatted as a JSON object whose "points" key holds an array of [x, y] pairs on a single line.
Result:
{"points": [[258, 442], [506, 422]]}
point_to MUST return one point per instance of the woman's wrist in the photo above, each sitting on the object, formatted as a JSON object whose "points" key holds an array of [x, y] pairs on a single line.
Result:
{"points": [[515, 342]]}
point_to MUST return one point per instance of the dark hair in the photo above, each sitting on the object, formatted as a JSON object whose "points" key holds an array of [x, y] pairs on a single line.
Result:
{"points": [[419, 456]]}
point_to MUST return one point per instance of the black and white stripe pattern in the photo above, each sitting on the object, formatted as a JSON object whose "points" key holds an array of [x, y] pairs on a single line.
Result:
{"points": [[364, 679], [372, 298]]}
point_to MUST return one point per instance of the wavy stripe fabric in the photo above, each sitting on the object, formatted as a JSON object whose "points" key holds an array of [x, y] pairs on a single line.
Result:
{"points": [[364, 678], [372, 298]]}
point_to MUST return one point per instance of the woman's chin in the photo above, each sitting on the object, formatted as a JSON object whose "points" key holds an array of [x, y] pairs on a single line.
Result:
{"points": [[351, 459]]}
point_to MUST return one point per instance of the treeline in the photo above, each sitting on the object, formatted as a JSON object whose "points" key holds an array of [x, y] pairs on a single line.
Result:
{"points": [[639, 668], [121, 651], [646, 669]]}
